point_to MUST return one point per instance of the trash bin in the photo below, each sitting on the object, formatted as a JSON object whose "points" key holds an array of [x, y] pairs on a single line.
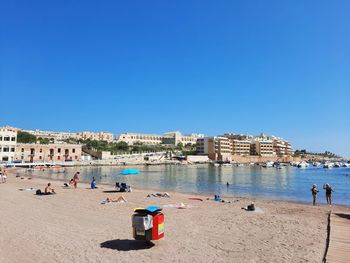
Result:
{"points": [[148, 223]]}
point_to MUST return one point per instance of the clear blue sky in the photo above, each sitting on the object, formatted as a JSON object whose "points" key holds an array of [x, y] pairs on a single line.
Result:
{"points": [[278, 67]]}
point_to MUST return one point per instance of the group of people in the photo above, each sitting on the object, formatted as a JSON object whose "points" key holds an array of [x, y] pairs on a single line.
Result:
{"points": [[328, 190]]}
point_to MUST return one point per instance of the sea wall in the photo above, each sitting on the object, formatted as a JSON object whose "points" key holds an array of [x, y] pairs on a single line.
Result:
{"points": [[259, 159]]}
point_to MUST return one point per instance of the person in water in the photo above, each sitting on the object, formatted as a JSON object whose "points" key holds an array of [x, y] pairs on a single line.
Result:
{"points": [[329, 191], [314, 192]]}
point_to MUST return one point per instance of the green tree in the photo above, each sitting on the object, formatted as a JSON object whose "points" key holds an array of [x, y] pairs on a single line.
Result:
{"points": [[25, 137]]}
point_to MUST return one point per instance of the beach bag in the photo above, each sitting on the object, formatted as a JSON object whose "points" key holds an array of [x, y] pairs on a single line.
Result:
{"points": [[38, 192]]}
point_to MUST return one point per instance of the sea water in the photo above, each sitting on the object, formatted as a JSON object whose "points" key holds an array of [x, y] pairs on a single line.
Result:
{"points": [[288, 183]]}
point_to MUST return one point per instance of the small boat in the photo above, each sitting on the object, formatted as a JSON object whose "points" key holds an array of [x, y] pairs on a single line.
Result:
{"points": [[303, 164], [268, 164], [337, 165], [328, 165]]}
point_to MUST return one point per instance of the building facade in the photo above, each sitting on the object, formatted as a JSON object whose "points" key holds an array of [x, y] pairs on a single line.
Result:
{"points": [[241, 147], [217, 148], [33, 152], [8, 141], [132, 138], [97, 136]]}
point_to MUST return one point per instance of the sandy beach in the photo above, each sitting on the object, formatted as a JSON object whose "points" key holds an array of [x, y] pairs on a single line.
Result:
{"points": [[73, 226]]}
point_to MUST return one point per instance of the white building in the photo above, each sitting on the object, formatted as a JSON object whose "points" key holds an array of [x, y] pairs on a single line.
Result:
{"points": [[8, 141]]}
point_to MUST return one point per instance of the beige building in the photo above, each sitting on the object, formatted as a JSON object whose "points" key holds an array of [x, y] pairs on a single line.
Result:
{"points": [[240, 147], [172, 138], [52, 135], [8, 141], [97, 136], [132, 138], [33, 152], [262, 148], [177, 137], [217, 148]]}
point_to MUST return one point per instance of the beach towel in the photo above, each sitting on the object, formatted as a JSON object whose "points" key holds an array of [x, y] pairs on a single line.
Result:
{"points": [[178, 206], [27, 189]]}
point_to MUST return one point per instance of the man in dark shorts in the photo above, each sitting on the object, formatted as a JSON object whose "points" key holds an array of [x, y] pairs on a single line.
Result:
{"points": [[329, 191]]}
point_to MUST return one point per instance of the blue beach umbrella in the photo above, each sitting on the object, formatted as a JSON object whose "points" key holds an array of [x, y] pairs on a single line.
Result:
{"points": [[129, 171]]}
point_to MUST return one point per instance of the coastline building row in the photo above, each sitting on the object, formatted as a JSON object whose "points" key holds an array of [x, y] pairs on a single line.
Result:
{"points": [[172, 138], [222, 148]]}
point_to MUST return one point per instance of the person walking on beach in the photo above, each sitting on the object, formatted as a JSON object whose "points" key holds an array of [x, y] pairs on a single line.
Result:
{"points": [[76, 179], [314, 192], [329, 191]]}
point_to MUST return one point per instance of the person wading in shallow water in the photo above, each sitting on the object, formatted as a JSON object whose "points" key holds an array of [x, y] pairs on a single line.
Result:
{"points": [[329, 191], [314, 192]]}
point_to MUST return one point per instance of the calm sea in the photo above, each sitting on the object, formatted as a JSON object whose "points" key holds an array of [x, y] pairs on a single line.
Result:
{"points": [[289, 183]]}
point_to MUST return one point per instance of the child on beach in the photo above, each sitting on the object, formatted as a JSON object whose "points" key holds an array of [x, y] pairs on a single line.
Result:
{"points": [[314, 192], [329, 191]]}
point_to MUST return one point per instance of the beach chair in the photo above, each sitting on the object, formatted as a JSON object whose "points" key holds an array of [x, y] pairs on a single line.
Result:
{"points": [[117, 186]]}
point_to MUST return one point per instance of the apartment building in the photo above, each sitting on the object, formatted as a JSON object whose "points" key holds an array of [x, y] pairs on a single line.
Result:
{"points": [[97, 136], [172, 138], [217, 148], [132, 138], [262, 148], [52, 135], [8, 141], [240, 147], [33, 152], [176, 137]]}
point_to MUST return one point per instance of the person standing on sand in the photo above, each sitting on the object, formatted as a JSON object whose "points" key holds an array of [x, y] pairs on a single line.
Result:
{"points": [[314, 192], [76, 179], [329, 191]]}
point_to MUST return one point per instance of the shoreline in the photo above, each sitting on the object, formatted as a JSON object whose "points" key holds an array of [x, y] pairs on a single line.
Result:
{"points": [[248, 197]]}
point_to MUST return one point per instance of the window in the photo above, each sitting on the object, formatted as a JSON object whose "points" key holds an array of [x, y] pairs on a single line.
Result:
{"points": [[41, 150], [73, 150], [13, 139], [7, 138], [13, 149], [6, 149], [40, 157], [0, 138], [59, 150], [22, 150]]}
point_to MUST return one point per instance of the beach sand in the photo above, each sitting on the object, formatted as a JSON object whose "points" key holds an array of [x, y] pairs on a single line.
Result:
{"points": [[73, 226]]}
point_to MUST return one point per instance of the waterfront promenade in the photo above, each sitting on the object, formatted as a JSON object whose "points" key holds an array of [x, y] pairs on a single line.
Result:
{"points": [[339, 238]]}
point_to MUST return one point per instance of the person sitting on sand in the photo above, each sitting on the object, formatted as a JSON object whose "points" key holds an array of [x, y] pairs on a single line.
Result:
{"points": [[93, 183], [165, 194], [120, 199], [329, 191], [314, 192], [49, 190]]}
